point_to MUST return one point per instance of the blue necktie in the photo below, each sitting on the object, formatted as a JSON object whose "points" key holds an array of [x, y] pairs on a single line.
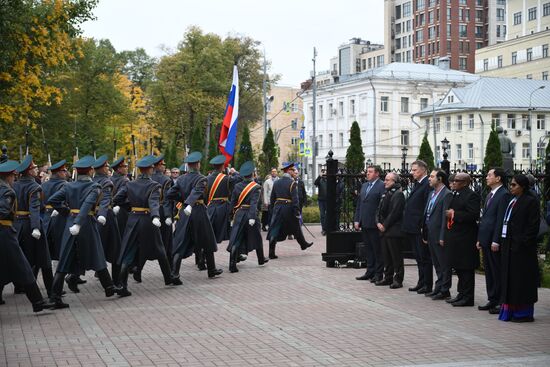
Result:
{"points": [[369, 186]]}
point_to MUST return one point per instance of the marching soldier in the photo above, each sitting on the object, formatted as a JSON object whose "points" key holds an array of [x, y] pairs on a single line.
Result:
{"points": [[14, 266], [81, 248], [30, 233], [53, 223], [119, 179], [220, 186], [285, 218], [142, 239], [246, 232], [165, 210], [108, 229], [194, 232]]}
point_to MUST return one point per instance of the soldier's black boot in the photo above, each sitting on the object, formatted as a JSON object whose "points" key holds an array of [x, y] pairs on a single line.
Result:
{"points": [[302, 241], [211, 264], [166, 273], [232, 264], [38, 303], [176, 265], [123, 281], [107, 283], [272, 245], [115, 272], [72, 282], [18, 288], [47, 277], [137, 271], [199, 259], [57, 290], [261, 257]]}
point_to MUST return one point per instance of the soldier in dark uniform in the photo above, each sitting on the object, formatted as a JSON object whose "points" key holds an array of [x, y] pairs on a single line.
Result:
{"points": [[28, 223], [142, 233], [194, 232], [53, 223], [165, 210], [81, 248], [108, 229], [14, 266], [119, 179], [246, 232], [219, 191], [285, 219]]}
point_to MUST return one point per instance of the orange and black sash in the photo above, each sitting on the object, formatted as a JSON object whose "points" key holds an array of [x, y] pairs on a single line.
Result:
{"points": [[245, 192], [215, 185]]}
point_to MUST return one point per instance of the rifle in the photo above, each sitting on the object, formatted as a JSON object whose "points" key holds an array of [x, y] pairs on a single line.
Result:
{"points": [[135, 156], [75, 157], [46, 146], [27, 137], [93, 148], [151, 144], [114, 144]]}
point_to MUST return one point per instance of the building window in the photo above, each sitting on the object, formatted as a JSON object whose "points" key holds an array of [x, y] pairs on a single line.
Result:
{"points": [[529, 76], [541, 150], [340, 108], [471, 121], [420, 36], [544, 75], [495, 119], [420, 4], [499, 61], [294, 124], [529, 54], [479, 15], [407, 9], [462, 63], [511, 121], [449, 31], [398, 12], [320, 112], [294, 107], [470, 151], [448, 123], [294, 141], [517, 18], [459, 151], [320, 141], [448, 13], [437, 125], [404, 104], [545, 50], [423, 103], [462, 30], [405, 137], [500, 15], [485, 64], [514, 58], [513, 152], [541, 122], [459, 123], [430, 17], [479, 32], [525, 150], [525, 122], [330, 140], [352, 106], [532, 13], [341, 139], [546, 9], [384, 104], [330, 111]]}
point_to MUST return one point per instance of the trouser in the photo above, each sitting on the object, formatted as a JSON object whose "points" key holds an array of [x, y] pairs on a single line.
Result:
{"points": [[423, 259], [442, 268], [375, 261], [323, 213], [47, 277], [207, 256], [393, 259], [58, 280], [466, 283], [491, 264]]}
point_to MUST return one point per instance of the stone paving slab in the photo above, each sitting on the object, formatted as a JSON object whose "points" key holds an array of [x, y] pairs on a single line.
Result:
{"points": [[291, 312]]}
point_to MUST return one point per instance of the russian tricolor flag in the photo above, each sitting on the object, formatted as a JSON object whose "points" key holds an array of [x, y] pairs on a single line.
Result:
{"points": [[228, 134]]}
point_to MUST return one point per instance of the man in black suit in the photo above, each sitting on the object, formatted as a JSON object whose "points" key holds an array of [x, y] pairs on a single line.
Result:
{"points": [[460, 236], [412, 224], [432, 232], [488, 237], [365, 218]]}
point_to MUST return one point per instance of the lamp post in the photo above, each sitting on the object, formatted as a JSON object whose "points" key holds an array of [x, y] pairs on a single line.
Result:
{"points": [[369, 163], [531, 125], [404, 150], [445, 164]]}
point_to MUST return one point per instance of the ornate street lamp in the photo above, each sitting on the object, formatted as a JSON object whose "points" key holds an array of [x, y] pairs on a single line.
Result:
{"points": [[404, 150], [445, 164]]}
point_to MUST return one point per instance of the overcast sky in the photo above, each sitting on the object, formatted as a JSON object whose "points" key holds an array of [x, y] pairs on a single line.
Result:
{"points": [[288, 29]]}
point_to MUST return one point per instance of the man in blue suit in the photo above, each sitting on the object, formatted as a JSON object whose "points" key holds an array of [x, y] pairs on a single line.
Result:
{"points": [[365, 218], [412, 224], [488, 236]]}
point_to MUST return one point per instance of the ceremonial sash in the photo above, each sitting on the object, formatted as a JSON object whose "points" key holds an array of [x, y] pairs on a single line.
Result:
{"points": [[245, 192], [215, 185]]}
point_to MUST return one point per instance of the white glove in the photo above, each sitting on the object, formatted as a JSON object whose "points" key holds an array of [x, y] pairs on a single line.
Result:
{"points": [[74, 229], [36, 233], [116, 209], [168, 221], [55, 213], [251, 222], [102, 220], [187, 210], [156, 222]]}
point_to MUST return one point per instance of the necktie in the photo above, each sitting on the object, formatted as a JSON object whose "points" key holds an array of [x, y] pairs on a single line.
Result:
{"points": [[369, 186], [489, 199]]}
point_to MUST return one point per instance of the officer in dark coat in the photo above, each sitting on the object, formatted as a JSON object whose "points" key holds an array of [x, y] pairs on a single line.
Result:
{"points": [[108, 228], [28, 223], [194, 232], [142, 237], [81, 248], [285, 219], [52, 221], [460, 237], [166, 207], [246, 232], [219, 191], [120, 179], [14, 266]]}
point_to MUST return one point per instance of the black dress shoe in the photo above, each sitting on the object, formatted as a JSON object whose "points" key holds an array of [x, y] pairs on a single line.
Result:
{"points": [[384, 282], [264, 261], [72, 283], [80, 280], [494, 310], [441, 295], [137, 276], [432, 293], [415, 288], [364, 277], [214, 273], [396, 285], [375, 279], [453, 300], [307, 245], [57, 304], [486, 307], [423, 290], [463, 303], [176, 281], [523, 319]]}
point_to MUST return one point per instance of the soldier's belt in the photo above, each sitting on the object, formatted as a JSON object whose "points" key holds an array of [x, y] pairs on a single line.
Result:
{"points": [[284, 201], [199, 202], [5, 222], [219, 199], [139, 210], [22, 214], [77, 211], [49, 207]]}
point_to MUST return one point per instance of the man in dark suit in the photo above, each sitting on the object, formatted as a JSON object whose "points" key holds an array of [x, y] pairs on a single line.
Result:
{"points": [[488, 236], [365, 218], [412, 224], [460, 236], [432, 232]]}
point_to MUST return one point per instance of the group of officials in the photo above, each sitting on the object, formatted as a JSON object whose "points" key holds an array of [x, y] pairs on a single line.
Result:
{"points": [[442, 221], [102, 216]]}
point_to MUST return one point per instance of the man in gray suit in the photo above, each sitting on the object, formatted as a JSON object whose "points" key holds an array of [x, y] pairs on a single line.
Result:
{"points": [[365, 218], [432, 232]]}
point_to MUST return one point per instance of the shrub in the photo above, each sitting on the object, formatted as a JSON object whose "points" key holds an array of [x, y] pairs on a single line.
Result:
{"points": [[311, 214]]}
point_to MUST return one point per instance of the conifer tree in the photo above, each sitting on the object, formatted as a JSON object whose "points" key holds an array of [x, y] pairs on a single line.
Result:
{"points": [[268, 158], [493, 155], [245, 152], [355, 158], [426, 154]]}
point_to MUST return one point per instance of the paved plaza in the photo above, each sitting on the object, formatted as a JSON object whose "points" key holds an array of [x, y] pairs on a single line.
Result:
{"points": [[291, 312]]}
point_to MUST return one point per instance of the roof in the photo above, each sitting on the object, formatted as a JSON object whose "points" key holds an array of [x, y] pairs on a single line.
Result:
{"points": [[496, 94]]}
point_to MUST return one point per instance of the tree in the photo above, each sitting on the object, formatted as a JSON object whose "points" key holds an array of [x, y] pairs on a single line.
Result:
{"points": [[426, 154], [245, 152], [355, 158], [268, 157], [171, 155], [197, 140], [493, 154], [138, 66]]}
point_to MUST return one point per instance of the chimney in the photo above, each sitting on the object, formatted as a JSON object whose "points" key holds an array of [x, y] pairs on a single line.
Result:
{"points": [[444, 63]]}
